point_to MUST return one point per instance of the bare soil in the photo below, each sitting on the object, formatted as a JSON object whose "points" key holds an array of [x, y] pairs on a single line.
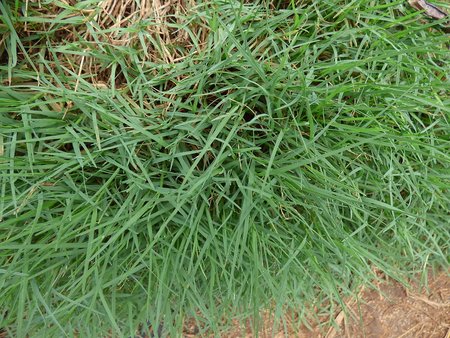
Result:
{"points": [[392, 311], [397, 312]]}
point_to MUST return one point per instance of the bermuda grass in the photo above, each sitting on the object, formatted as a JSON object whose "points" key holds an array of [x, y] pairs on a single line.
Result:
{"points": [[214, 159]]}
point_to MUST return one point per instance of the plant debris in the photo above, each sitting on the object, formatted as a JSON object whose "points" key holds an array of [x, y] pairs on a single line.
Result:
{"points": [[430, 10]]}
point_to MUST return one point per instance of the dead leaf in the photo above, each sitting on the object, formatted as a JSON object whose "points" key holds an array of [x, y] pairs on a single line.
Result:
{"points": [[430, 10]]}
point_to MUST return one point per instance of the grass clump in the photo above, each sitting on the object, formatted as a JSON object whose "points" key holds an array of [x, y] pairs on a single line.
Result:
{"points": [[209, 160]]}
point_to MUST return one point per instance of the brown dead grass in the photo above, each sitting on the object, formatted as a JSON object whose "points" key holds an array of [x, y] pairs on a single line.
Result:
{"points": [[162, 31], [164, 19]]}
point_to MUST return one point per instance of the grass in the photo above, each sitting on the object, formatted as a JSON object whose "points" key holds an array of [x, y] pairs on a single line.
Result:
{"points": [[209, 160]]}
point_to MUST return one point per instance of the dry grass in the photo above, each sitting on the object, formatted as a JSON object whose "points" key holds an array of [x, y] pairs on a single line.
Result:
{"points": [[169, 38], [164, 32]]}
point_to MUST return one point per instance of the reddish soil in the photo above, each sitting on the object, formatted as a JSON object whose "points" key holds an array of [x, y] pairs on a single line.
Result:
{"points": [[390, 312], [398, 312]]}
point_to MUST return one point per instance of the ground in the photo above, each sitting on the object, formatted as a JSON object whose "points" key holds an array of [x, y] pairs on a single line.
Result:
{"points": [[392, 312], [397, 312]]}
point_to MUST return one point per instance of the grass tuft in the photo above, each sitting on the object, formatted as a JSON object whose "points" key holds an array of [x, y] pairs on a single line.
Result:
{"points": [[211, 160]]}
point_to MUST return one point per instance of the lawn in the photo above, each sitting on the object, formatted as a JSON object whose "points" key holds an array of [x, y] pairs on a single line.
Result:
{"points": [[209, 160]]}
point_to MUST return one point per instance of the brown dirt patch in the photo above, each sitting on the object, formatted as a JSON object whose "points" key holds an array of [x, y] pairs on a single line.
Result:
{"points": [[395, 311], [392, 311]]}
